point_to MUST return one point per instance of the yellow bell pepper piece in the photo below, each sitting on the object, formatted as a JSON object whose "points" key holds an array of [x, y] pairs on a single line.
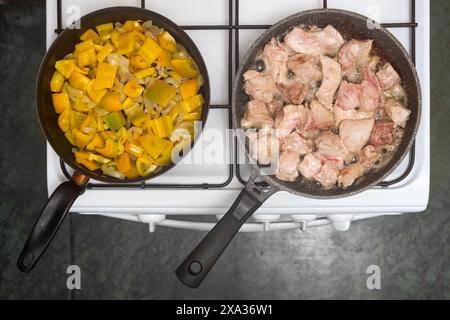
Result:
{"points": [[82, 139], [165, 158], [149, 72], [185, 67], [133, 89], [64, 120], [65, 67], [69, 137], [138, 62], [193, 116], [83, 46], [89, 164], [124, 163], [173, 114], [61, 101], [103, 53], [139, 35], [98, 158], [166, 41], [192, 103], [160, 92], [131, 25], [150, 50], [111, 101], [162, 126], [154, 145], [88, 121], [80, 106], [132, 173], [144, 166], [174, 75], [164, 58], [95, 95], [110, 150], [128, 103], [90, 35], [87, 57], [84, 70], [115, 35], [98, 47], [114, 120], [105, 76], [126, 43], [57, 82], [82, 155], [78, 80], [105, 30], [134, 149], [96, 142], [189, 89], [76, 119]]}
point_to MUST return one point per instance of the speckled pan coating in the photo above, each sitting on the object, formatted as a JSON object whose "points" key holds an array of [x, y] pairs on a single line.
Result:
{"points": [[351, 26]]}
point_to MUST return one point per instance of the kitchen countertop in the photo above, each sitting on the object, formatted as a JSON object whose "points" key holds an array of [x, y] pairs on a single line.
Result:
{"points": [[120, 259]]}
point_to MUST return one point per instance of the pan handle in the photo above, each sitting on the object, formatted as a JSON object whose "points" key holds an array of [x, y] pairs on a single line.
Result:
{"points": [[49, 221], [197, 265]]}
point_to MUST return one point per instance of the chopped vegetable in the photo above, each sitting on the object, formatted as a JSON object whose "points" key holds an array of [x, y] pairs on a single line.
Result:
{"points": [[164, 58], [57, 82], [192, 103], [64, 120], [189, 89], [162, 126], [138, 62], [105, 30], [154, 145], [78, 80], [131, 25], [111, 101], [145, 166], [105, 76], [150, 50], [126, 43], [185, 67], [160, 92], [103, 53], [114, 120], [133, 89], [167, 41], [65, 67], [149, 72], [60, 101], [124, 163], [90, 35]]}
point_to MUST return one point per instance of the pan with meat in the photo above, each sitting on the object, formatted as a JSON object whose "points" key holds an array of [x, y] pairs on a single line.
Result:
{"points": [[344, 100]]}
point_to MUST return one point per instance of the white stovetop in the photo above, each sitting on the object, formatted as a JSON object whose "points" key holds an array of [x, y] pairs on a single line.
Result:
{"points": [[410, 195]]}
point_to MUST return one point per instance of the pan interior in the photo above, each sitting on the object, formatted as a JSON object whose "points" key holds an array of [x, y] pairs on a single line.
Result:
{"points": [[351, 26], [65, 43]]}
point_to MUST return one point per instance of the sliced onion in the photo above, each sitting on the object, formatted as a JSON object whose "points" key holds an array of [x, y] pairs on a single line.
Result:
{"points": [[110, 171], [147, 24]]}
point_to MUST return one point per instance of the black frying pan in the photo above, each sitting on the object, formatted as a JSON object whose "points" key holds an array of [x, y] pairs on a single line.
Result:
{"points": [[352, 26], [65, 194]]}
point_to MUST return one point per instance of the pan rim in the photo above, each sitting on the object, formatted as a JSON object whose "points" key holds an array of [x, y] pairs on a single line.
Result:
{"points": [[341, 192], [44, 65]]}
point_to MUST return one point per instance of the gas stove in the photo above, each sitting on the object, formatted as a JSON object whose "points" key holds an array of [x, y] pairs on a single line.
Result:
{"points": [[223, 33]]}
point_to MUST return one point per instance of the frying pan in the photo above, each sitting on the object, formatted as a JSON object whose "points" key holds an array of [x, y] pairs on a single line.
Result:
{"points": [[352, 26], [66, 193]]}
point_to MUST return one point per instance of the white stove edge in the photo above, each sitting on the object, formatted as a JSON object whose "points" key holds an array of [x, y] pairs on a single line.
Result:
{"points": [[415, 188]]}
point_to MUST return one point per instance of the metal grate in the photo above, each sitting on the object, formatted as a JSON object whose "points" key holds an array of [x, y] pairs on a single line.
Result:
{"points": [[233, 55]]}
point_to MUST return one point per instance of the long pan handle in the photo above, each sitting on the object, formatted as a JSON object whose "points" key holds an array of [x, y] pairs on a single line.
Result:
{"points": [[49, 221], [197, 265]]}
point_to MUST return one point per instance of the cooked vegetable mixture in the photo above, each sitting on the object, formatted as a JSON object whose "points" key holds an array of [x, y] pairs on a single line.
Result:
{"points": [[127, 97]]}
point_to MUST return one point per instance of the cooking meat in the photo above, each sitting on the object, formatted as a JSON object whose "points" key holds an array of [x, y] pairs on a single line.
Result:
{"points": [[367, 158], [323, 118], [348, 95], [295, 142], [328, 174], [309, 166], [288, 118], [276, 55], [354, 56], [333, 110], [263, 146], [331, 146], [341, 114], [287, 165], [397, 112], [331, 73], [325, 41], [355, 133], [382, 133], [387, 76], [256, 115], [370, 97], [306, 68], [259, 86]]}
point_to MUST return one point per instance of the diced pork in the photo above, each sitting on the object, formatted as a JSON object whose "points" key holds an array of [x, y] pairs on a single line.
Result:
{"points": [[387, 76], [306, 68], [325, 41], [367, 158], [355, 133], [382, 133], [288, 118], [293, 92], [307, 127], [397, 112], [348, 95], [370, 97], [263, 146], [275, 56], [259, 86], [331, 73], [287, 165], [353, 56], [309, 166], [327, 175], [331, 146], [323, 118], [341, 114], [296, 143], [256, 115], [274, 106]]}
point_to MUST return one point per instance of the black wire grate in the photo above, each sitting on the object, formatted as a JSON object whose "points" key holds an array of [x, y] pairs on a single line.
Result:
{"points": [[233, 55]]}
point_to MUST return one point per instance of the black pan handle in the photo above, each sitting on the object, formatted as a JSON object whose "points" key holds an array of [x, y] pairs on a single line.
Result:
{"points": [[197, 265], [49, 221]]}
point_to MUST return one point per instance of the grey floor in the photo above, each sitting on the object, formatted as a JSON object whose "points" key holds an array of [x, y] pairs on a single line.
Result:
{"points": [[123, 260]]}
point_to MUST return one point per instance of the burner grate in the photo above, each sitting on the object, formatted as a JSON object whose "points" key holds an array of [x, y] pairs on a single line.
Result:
{"points": [[233, 28]]}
